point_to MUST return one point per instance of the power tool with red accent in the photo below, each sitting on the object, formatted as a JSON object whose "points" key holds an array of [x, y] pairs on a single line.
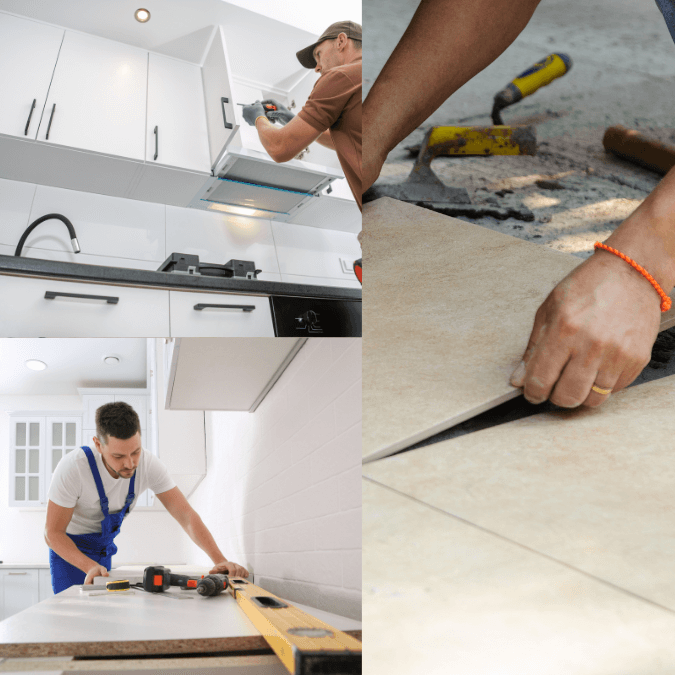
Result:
{"points": [[267, 107], [157, 579], [358, 270]]}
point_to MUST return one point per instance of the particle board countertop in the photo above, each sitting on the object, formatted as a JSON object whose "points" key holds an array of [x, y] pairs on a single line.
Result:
{"points": [[77, 623]]}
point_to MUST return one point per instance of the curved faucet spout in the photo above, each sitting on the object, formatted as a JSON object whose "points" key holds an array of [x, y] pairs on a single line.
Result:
{"points": [[34, 224]]}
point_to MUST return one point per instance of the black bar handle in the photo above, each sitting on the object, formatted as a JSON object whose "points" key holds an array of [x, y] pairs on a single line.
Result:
{"points": [[111, 300], [156, 142], [244, 308], [51, 117], [223, 101], [30, 114]]}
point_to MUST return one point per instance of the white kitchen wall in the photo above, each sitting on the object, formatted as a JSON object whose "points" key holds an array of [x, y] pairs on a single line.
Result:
{"points": [[282, 494], [146, 537]]}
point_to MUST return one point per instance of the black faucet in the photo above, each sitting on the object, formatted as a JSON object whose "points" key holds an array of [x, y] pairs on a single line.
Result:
{"points": [[33, 225]]}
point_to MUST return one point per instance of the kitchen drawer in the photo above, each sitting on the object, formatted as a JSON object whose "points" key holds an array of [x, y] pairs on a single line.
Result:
{"points": [[25, 312], [186, 321]]}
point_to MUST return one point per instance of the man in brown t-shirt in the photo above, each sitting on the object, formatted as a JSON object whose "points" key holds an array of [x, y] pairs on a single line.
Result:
{"points": [[332, 114]]}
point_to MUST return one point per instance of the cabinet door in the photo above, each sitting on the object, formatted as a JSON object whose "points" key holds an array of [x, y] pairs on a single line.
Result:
{"points": [[91, 403], [45, 584], [26, 312], [62, 437], [28, 53], [247, 135], [176, 110], [99, 90], [228, 320], [18, 590], [217, 79], [26, 461]]}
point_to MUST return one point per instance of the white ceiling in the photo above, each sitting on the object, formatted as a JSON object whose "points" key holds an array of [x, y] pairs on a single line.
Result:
{"points": [[262, 36], [71, 363]]}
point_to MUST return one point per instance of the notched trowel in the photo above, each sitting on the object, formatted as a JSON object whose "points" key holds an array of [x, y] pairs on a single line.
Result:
{"points": [[424, 188]]}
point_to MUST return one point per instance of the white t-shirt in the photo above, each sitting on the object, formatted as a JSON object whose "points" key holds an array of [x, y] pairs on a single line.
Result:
{"points": [[73, 485]]}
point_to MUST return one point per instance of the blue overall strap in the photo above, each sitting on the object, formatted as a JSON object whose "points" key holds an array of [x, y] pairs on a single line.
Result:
{"points": [[130, 497], [97, 480]]}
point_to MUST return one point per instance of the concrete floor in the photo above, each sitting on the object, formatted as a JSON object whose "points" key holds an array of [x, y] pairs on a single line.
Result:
{"points": [[623, 73]]}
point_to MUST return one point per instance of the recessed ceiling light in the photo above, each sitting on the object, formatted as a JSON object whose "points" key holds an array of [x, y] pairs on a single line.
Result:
{"points": [[111, 360], [35, 365], [142, 15]]}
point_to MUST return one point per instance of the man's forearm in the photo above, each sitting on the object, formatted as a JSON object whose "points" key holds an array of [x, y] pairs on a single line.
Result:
{"points": [[445, 45], [271, 138], [65, 547], [326, 140], [648, 234], [201, 536]]}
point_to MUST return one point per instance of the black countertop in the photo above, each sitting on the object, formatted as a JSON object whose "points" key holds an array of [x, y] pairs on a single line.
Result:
{"points": [[122, 276]]}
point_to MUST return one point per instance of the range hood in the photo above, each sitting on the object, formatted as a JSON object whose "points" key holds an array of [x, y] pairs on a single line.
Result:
{"points": [[250, 183], [224, 373]]}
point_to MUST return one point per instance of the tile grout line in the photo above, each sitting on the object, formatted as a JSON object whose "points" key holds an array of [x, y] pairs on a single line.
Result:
{"points": [[523, 546]]}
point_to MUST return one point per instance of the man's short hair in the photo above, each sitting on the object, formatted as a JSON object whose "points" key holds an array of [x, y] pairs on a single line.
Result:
{"points": [[356, 43], [118, 419]]}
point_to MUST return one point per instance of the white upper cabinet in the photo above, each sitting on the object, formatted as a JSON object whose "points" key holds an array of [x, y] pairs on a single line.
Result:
{"points": [[28, 53], [176, 129], [248, 135], [97, 98], [220, 116]]}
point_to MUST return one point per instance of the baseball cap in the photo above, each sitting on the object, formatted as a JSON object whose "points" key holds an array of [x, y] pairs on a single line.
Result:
{"points": [[349, 28]]}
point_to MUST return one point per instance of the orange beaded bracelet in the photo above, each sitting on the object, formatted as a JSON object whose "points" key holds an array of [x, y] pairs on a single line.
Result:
{"points": [[666, 302]]}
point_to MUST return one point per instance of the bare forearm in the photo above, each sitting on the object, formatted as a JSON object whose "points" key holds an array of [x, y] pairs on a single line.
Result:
{"points": [[445, 45], [648, 234], [201, 536], [326, 140], [272, 139], [65, 547]]}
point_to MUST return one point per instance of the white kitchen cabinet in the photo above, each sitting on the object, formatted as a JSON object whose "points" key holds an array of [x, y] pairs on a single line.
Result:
{"points": [[220, 314], [247, 135], [224, 374], [19, 589], [97, 99], [26, 312], [176, 133], [217, 79], [28, 53], [45, 589]]}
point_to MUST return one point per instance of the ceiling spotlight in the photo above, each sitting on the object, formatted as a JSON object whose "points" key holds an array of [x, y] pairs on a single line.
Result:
{"points": [[142, 15], [111, 360], [35, 365]]}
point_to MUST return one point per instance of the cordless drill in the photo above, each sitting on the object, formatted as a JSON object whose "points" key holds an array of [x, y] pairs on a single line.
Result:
{"points": [[212, 584], [157, 579]]}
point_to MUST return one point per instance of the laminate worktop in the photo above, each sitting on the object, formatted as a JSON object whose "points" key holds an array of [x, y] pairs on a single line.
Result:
{"points": [[124, 276], [97, 623]]}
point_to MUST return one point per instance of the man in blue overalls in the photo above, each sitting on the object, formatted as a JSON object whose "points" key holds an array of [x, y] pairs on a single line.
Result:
{"points": [[92, 491]]}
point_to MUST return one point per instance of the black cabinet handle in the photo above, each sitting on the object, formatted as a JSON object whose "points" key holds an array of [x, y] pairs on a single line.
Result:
{"points": [[223, 101], [30, 114], [111, 300], [244, 308], [51, 117], [156, 142]]}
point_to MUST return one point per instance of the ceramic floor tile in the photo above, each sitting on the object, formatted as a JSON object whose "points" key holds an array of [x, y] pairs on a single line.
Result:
{"points": [[593, 488], [448, 308], [444, 597]]}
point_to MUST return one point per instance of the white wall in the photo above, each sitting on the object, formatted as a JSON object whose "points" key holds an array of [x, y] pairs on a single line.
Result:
{"points": [[282, 494], [151, 537]]}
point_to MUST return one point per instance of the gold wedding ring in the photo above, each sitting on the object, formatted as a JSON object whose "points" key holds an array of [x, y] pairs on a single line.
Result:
{"points": [[604, 392]]}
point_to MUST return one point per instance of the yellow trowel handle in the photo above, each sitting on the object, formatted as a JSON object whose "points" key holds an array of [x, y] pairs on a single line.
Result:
{"points": [[539, 75]]}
